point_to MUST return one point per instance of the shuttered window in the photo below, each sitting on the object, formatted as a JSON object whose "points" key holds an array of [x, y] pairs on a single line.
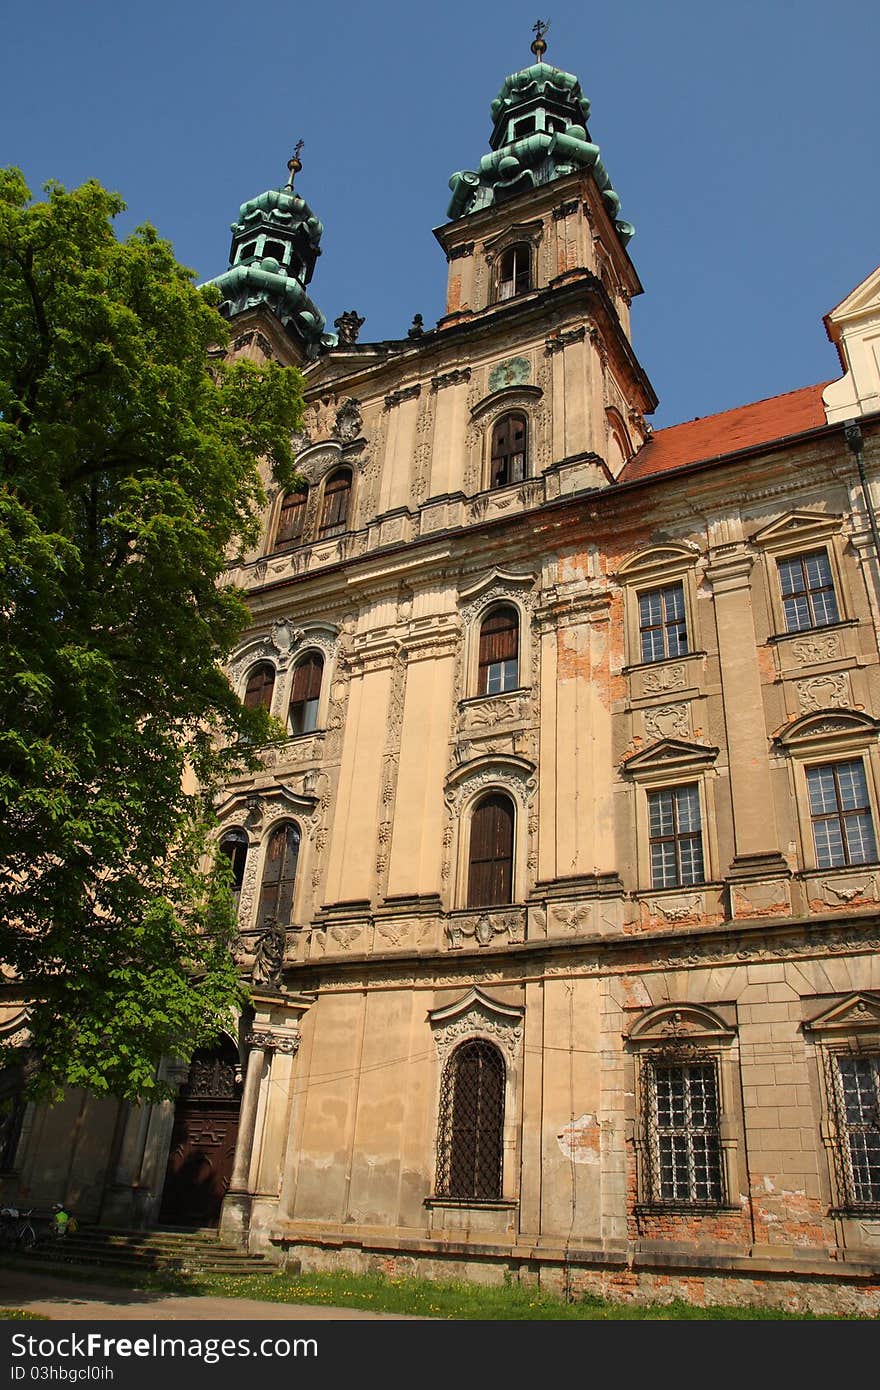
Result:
{"points": [[499, 652], [234, 847], [514, 271], [291, 519], [490, 871], [508, 451], [279, 875], [261, 683], [334, 512], [306, 693]]}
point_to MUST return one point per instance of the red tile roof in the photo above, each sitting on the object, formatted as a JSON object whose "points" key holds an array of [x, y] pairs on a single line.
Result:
{"points": [[713, 436]]}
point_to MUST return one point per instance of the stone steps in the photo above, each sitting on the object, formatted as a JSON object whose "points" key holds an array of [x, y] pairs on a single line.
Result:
{"points": [[166, 1251]]}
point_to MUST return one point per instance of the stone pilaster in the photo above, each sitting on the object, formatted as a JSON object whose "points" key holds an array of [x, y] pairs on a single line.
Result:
{"points": [[756, 841]]}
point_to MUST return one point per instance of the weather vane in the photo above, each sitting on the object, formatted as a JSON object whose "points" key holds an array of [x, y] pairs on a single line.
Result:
{"points": [[294, 164], [539, 29]]}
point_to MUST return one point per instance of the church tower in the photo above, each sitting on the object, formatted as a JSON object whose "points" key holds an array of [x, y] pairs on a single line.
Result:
{"points": [[535, 243], [276, 241]]}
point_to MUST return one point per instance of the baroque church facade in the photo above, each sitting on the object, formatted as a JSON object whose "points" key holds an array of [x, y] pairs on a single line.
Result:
{"points": [[560, 898]]}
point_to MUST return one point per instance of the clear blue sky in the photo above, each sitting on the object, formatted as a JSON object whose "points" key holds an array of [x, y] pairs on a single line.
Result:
{"points": [[741, 139]]}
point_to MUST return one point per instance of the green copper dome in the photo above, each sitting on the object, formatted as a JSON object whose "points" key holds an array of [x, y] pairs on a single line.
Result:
{"points": [[275, 244], [539, 134]]}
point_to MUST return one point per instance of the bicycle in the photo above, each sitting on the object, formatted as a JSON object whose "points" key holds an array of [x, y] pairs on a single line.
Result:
{"points": [[16, 1229]]}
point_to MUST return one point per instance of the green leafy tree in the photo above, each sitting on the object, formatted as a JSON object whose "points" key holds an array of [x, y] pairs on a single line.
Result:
{"points": [[129, 472]]}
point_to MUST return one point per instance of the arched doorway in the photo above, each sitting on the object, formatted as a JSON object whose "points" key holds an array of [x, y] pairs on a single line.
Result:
{"points": [[203, 1139]]}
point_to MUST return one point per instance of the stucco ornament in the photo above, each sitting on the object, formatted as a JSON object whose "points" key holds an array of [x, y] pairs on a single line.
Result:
{"points": [[513, 372], [477, 1015], [483, 927]]}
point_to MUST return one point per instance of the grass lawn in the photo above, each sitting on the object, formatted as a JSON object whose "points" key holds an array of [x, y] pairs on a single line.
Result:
{"points": [[425, 1298], [421, 1297]]}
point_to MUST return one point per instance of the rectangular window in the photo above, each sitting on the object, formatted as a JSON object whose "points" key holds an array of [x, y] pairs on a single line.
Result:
{"points": [[843, 831], [684, 1140], [857, 1086], [675, 837], [808, 597], [662, 626]]}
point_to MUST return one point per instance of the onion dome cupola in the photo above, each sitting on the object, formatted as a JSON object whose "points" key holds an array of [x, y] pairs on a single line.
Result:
{"points": [[275, 244], [539, 134]]}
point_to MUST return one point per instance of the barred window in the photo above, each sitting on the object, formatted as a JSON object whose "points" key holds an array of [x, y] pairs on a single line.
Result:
{"points": [[291, 519], [683, 1133], [843, 830], [857, 1101], [279, 876], [499, 652], [470, 1136], [508, 463], [808, 597], [337, 497], [306, 692], [662, 624], [490, 870], [676, 840], [260, 684]]}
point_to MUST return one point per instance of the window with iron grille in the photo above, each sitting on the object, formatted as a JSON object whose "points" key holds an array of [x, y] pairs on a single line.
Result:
{"points": [[514, 271], [499, 652], [260, 684], [471, 1129], [337, 496], [662, 623], [291, 519], [675, 837], [490, 866], [808, 598], [508, 462], [856, 1087], [683, 1138], [279, 876], [305, 694], [843, 829]]}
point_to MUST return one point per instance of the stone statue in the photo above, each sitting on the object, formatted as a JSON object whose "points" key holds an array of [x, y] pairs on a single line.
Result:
{"points": [[269, 956]]}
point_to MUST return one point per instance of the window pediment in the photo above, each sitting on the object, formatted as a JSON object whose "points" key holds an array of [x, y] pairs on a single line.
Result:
{"points": [[317, 460], [681, 1023], [477, 1015], [521, 231], [827, 728], [669, 754], [507, 398], [856, 1013], [257, 809], [796, 529], [659, 561], [504, 764]]}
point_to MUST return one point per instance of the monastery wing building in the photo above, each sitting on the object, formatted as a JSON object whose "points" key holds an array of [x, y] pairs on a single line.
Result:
{"points": [[560, 899]]}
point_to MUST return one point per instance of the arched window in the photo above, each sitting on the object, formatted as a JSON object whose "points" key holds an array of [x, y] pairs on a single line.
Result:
{"points": [[279, 875], [291, 519], [234, 846], [337, 496], [508, 463], [499, 652], [306, 692], [470, 1139], [514, 271], [260, 684], [490, 863]]}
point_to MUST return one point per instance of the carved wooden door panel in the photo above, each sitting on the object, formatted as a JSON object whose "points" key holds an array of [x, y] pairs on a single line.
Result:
{"points": [[202, 1143]]}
